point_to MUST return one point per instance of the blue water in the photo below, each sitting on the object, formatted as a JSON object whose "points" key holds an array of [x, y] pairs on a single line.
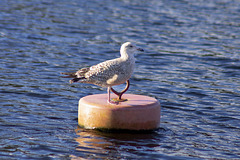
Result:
{"points": [[191, 65]]}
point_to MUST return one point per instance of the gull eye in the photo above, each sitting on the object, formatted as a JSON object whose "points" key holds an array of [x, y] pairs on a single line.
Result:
{"points": [[130, 46]]}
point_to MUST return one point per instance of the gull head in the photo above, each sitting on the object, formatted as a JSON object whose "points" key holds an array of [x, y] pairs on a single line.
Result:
{"points": [[128, 49]]}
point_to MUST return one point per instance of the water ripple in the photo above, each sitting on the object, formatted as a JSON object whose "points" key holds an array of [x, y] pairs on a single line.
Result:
{"points": [[191, 65]]}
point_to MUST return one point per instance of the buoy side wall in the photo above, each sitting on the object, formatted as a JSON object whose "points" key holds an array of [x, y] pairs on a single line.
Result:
{"points": [[94, 116]]}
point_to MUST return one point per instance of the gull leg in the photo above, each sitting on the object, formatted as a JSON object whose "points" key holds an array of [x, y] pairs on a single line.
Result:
{"points": [[122, 92], [109, 99]]}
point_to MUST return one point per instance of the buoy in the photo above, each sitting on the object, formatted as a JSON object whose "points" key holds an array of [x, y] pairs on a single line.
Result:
{"points": [[137, 112]]}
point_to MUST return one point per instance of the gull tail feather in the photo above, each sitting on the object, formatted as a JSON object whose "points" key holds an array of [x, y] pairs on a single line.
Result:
{"points": [[69, 75], [76, 80], [72, 75]]}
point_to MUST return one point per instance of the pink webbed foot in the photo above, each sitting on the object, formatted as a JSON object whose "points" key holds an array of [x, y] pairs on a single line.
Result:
{"points": [[113, 102]]}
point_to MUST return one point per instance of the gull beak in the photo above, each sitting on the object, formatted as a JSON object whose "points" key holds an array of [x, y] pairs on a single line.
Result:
{"points": [[140, 49]]}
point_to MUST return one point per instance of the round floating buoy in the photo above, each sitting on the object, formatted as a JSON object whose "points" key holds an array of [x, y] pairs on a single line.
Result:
{"points": [[138, 112]]}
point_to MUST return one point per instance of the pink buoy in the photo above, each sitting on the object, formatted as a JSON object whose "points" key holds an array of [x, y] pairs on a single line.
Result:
{"points": [[136, 112]]}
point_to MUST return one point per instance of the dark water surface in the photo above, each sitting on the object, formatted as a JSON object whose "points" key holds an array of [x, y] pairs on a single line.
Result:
{"points": [[191, 65]]}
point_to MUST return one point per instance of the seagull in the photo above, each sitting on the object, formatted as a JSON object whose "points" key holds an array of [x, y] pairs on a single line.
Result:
{"points": [[108, 73]]}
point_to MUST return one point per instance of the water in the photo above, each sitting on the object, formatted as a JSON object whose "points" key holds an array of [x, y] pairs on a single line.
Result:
{"points": [[191, 65]]}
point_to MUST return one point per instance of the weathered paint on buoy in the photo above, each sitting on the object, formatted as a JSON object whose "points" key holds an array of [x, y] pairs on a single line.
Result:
{"points": [[137, 113]]}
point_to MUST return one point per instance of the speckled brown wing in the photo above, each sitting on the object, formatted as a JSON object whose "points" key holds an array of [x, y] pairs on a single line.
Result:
{"points": [[108, 73]]}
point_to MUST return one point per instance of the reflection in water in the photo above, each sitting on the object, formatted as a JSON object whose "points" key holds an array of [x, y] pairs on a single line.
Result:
{"points": [[93, 143]]}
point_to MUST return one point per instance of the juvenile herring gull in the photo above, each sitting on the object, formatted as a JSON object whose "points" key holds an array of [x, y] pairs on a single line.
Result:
{"points": [[109, 73]]}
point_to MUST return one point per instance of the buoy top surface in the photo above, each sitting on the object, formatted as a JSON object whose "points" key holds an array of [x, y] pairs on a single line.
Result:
{"points": [[100, 100]]}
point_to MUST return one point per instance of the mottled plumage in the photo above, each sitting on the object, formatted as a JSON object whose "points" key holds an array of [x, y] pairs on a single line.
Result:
{"points": [[109, 73]]}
